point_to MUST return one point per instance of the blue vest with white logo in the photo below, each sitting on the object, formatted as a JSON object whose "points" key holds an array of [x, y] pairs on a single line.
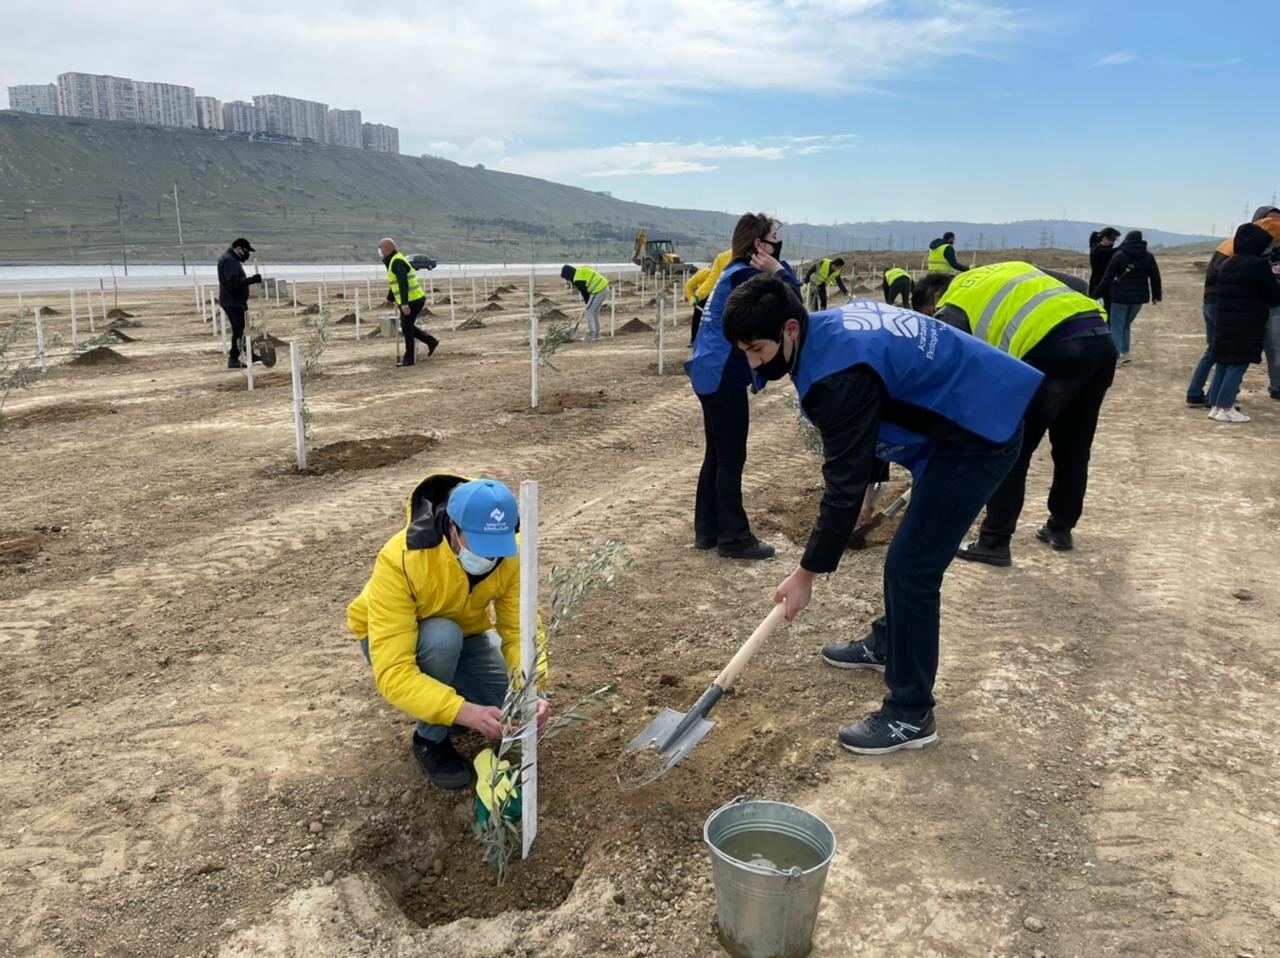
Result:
{"points": [[924, 362], [715, 359]]}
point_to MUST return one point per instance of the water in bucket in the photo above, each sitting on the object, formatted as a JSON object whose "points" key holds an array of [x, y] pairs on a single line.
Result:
{"points": [[769, 862]]}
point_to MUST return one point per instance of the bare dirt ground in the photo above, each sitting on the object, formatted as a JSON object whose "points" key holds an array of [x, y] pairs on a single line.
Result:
{"points": [[196, 762]]}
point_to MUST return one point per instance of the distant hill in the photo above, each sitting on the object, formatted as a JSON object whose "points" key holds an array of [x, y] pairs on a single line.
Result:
{"points": [[63, 178]]}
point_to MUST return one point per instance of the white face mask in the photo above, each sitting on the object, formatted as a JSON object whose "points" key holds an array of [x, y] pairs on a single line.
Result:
{"points": [[475, 564]]}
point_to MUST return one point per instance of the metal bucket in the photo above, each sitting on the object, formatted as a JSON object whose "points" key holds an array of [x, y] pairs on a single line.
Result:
{"points": [[387, 326], [768, 910]]}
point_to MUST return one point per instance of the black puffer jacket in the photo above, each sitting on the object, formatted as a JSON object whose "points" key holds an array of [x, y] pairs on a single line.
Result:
{"points": [[1132, 276], [1247, 289], [1099, 259]]}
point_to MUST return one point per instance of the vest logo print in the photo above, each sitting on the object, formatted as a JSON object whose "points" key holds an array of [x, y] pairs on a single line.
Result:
{"points": [[866, 315]]}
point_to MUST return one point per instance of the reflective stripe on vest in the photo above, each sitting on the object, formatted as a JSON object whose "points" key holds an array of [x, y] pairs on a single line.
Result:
{"points": [[938, 259], [1013, 306], [895, 273], [415, 288], [595, 282], [825, 274]]}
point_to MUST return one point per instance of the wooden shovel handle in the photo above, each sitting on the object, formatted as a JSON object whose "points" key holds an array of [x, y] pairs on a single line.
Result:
{"points": [[740, 659]]}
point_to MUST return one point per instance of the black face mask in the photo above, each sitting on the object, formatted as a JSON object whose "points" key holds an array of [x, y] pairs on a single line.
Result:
{"points": [[775, 368], [777, 251]]}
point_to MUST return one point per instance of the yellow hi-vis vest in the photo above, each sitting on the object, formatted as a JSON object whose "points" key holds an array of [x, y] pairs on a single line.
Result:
{"points": [[895, 273], [1013, 306], [826, 275], [938, 259], [415, 288], [595, 282]]}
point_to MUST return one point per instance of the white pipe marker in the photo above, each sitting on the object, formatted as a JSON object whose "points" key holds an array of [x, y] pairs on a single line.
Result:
{"points": [[299, 427], [44, 365], [529, 663]]}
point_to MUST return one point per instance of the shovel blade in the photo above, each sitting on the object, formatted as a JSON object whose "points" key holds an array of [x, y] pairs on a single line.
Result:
{"points": [[658, 732]]}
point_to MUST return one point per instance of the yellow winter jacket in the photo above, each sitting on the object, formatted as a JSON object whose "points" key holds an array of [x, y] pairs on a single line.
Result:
{"points": [[717, 267], [693, 282], [417, 576]]}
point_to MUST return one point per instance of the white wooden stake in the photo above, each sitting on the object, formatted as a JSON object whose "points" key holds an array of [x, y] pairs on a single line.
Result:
{"points": [[294, 289], [529, 663], [675, 304], [102, 291], [368, 296], [661, 339], [320, 297], [74, 338], [613, 311], [431, 289], [533, 356], [195, 288], [299, 427], [88, 298], [343, 273], [473, 294], [248, 353], [19, 304], [44, 365], [357, 314], [222, 329], [453, 316]]}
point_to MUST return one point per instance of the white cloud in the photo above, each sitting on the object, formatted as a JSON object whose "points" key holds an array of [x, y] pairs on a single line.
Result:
{"points": [[1118, 58], [488, 68], [645, 158]]}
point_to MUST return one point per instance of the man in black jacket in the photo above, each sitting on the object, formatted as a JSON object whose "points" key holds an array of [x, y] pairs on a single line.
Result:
{"points": [[233, 297]]}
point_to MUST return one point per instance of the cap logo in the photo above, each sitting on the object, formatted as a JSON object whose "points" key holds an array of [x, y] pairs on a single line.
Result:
{"points": [[497, 515]]}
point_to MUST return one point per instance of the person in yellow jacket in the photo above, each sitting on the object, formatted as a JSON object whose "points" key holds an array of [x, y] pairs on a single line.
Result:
{"points": [[691, 295], [1048, 321], [702, 292], [592, 286], [896, 282], [423, 618], [405, 292]]}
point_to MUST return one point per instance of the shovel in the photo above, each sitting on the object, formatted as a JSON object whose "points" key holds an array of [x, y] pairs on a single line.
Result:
{"points": [[859, 535], [671, 735]]}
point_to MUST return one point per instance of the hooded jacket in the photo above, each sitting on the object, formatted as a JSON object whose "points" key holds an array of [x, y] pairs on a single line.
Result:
{"points": [[717, 267], [950, 254], [1099, 259], [233, 284], [1247, 289], [1265, 216], [1132, 276], [417, 576]]}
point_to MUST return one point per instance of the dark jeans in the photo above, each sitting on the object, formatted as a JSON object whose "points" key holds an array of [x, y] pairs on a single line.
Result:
{"points": [[235, 316], [821, 293], [1200, 376], [900, 287], [960, 476], [1077, 374], [412, 332], [718, 512], [1227, 379], [695, 323]]}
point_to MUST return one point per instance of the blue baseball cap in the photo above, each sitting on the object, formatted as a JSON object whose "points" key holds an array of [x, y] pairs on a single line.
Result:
{"points": [[487, 514]]}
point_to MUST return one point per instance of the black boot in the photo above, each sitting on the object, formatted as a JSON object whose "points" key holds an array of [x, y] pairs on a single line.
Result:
{"points": [[441, 763], [748, 549], [1056, 536], [986, 552]]}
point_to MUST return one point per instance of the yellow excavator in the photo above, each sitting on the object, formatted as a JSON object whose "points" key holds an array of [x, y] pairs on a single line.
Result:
{"points": [[658, 256]]}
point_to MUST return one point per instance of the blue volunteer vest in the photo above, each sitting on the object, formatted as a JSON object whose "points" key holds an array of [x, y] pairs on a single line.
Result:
{"points": [[713, 355], [924, 362]]}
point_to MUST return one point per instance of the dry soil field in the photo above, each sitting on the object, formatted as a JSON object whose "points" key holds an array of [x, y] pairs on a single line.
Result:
{"points": [[195, 761]]}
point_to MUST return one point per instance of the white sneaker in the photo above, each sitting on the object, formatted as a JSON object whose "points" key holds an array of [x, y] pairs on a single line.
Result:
{"points": [[1214, 412], [1232, 415], [1124, 359]]}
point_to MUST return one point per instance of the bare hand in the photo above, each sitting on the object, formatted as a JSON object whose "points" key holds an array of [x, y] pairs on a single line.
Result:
{"points": [[795, 591], [544, 713], [485, 719], [867, 513], [404, 310], [765, 263]]}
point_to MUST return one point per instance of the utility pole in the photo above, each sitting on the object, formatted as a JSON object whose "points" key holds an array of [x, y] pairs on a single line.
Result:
{"points": [[124, 249], [182, 250]]}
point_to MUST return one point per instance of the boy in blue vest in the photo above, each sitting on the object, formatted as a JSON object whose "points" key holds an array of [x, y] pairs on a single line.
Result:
{"points": [[881, 382]]}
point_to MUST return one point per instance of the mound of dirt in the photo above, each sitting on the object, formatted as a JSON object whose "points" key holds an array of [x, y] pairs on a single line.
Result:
{"points": [[100, 356], [124, 324], [793, 516], [475, 322], [554, 315], [493, 298], [17, 547], [118, 314], [311, 310], [442, 301], [119, 336], [546, 302], [50, 311], [635, 325], [506, 288], [557, 403], [348, 319], [58, 413], [338, 296], [359, 454], [268, 340], [490, 308]]}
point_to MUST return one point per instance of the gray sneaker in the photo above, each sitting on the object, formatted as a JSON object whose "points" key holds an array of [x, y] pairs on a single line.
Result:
{"points": [[852, 655]]}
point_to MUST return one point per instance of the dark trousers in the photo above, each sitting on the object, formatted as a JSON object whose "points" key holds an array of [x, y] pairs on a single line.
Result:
{"points": [[1077, 374], [718, 513], [900, 287], [695, 322], [235, 316], [821, 293], [959, 477], [408, 326]]}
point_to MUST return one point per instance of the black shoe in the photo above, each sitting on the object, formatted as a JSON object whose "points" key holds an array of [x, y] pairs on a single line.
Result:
{"points": [[853, 655], [441, 763], [431, 347], [1194, 403], [755, 549], [880, 734], [1275, 394], [1060, 539], [704, 542], [235, 364], [401, 364], [979, 551]]}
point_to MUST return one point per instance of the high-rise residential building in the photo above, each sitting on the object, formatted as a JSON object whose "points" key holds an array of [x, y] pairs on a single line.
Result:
{"points": [[241, 116], [380, 138], [289, 116], [97, 96], [166, 104], [38, 98], [208, 113], [343, 128]]}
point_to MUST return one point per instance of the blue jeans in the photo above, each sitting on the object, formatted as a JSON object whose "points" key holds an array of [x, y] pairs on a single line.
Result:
{"points": [[1272, 348], [473, 666], [1122, 316], [959, 478], [1195, 388], [1226, 384]]}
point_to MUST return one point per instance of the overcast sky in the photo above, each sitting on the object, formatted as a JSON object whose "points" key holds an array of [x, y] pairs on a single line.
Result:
{"points": [[840, 110]]}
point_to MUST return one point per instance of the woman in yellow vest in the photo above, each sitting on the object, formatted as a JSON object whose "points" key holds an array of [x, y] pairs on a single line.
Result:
{"points": [[592, 286], [405, 292], [1034, 315]]}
